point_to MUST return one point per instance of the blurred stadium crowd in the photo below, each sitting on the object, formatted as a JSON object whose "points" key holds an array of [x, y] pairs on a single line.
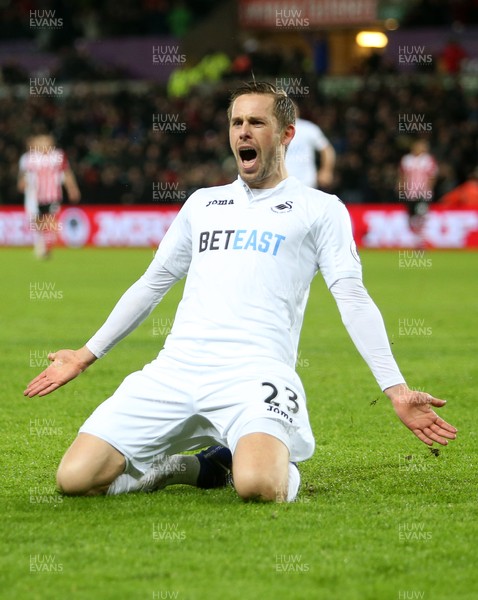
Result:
{"points": [[93, 19], [90, 19], [119, 153]]}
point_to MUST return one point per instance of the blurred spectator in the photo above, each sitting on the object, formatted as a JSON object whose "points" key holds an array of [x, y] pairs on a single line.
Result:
{"points": [[465, 195], [180, 18], [446, 179], [452, 56], [12, 73], [352, 179]]}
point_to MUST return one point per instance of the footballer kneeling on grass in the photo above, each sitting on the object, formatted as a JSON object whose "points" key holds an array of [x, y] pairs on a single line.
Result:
{"points": [[226, 375]]}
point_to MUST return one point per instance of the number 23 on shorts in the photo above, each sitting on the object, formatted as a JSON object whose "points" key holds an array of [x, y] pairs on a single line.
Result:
{"points": [[280, 400]]}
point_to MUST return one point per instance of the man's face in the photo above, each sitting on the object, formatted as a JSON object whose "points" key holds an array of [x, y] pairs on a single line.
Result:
{"points": [[43, 143], [420, 147], [256, 142]]}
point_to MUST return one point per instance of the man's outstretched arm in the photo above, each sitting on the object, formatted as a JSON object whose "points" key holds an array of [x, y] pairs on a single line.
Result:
{"points": [[365, 326], [130, 311]]}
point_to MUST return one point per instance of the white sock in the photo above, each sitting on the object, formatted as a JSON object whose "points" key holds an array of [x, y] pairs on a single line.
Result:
{"points": [[123, 484], [177, 469], [165, 470], [294, 483], [39, 244]]}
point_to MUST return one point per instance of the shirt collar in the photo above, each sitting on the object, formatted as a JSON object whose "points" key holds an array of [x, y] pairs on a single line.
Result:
{"points": [[259, 193]]}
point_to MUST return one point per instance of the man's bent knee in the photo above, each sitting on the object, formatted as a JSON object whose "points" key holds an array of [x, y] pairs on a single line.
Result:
{"points": [[89, 467], [74, 480], [260, 486], [260, 468]]}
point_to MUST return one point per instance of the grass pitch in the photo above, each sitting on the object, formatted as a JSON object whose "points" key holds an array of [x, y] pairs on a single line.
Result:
{"points": [[379, 515]]}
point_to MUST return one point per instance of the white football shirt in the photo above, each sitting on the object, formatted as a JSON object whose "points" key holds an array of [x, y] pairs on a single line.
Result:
{"points": [[300, 155], [250, 256]]}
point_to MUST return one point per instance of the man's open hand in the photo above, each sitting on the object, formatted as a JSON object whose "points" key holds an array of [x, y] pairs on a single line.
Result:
{"points": [[414, 410], [65, 366]]}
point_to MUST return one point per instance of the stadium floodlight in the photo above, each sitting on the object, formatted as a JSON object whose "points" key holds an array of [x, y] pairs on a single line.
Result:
{"points": [[371, 39]]}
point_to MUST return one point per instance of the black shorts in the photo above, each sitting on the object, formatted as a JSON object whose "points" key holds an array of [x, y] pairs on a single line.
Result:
{"points": [[48, 209], [417, 208]]}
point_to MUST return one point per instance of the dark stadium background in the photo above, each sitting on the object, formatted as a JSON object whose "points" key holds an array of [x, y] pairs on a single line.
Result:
{"points": [[86, 72]]}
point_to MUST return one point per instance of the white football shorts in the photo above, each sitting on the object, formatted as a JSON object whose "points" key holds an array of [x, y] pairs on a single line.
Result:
{"points": [[171, 407]]}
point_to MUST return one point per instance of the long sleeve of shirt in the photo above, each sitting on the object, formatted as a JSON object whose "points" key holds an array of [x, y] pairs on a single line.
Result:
{"points": [[132, 308], [365, 326]]}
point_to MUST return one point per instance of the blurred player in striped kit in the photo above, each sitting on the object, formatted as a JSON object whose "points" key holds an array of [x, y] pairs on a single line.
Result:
{"points": [[418, 171], [43, 169]]}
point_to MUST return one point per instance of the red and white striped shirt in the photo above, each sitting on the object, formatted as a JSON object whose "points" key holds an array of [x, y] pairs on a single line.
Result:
{"points": [[417, 173], [44, 174]]}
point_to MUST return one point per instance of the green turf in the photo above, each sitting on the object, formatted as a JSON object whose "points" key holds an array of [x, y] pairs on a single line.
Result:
{"points": [[379, 516]]}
